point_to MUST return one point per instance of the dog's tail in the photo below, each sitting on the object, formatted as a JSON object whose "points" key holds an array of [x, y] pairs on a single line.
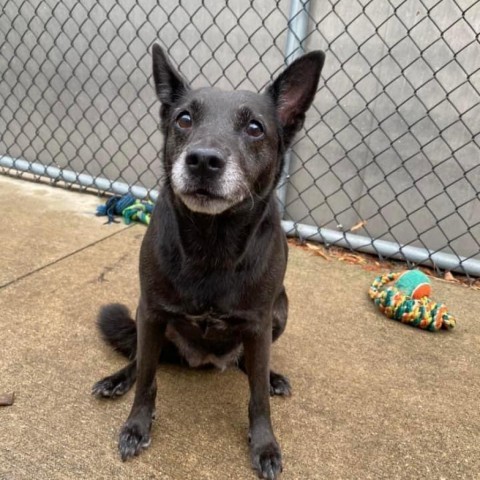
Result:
{"points": [[118, 329]]}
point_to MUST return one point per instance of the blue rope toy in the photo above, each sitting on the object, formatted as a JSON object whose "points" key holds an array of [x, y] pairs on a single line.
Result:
{"points": [[127, 206]]}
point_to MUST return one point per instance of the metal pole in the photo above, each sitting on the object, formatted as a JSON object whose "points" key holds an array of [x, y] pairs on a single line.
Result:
{"points": [[418, 255], [69, 176], [297, 32], [445, 261]]}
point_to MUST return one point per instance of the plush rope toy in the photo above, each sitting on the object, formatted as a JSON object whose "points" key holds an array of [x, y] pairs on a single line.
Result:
{"points": [[407, 300], [130, 208]]}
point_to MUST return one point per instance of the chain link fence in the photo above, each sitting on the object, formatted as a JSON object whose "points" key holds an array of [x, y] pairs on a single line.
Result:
{"points": [[390, 146]]}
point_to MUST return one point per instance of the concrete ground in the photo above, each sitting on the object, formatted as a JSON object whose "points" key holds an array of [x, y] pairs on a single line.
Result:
{"points": [[373, 399]]}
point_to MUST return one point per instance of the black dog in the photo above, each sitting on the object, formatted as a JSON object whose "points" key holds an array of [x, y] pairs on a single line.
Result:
{"points": [[213, 258]]}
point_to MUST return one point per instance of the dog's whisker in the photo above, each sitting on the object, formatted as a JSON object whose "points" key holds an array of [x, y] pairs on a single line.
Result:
{"points": [[244, 184]]}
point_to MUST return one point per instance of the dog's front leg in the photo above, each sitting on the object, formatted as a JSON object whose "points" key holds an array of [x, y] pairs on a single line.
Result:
{"points": [[264, 450], [135, 433]]}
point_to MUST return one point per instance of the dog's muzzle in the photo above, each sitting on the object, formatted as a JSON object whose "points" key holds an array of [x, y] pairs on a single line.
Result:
{"points": [[207, 180]]}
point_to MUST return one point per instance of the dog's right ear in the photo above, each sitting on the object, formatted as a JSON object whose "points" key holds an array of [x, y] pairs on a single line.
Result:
{"points": [[169, 85]]}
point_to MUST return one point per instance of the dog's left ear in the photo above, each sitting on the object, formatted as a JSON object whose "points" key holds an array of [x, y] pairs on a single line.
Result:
{"points": [[293, 92], [169, 84]]}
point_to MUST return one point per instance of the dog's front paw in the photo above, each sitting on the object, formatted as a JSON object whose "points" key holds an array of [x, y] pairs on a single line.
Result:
{"points": [[267, 460], [134, 437]]}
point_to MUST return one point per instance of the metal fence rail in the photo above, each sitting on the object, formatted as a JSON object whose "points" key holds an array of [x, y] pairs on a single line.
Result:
{"points": [[391, 142]]}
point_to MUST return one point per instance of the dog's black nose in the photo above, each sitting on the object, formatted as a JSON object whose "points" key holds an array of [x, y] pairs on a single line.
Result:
{"points": [[205, 161]]}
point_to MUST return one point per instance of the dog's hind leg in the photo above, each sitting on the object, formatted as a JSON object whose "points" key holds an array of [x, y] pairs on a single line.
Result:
{"points": [[280, 314], [279, 384], [117, 384], [122, 381]]}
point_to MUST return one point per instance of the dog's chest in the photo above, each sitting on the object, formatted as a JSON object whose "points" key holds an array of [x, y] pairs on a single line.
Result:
{"points": [[206, 339]]}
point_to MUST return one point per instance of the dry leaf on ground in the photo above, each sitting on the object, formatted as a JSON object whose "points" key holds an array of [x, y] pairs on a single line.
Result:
{"points": [[358, 225], [7, 399]]}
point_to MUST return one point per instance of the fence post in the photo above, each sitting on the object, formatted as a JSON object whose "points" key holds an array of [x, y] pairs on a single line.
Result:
{"points": [[297, 33]]}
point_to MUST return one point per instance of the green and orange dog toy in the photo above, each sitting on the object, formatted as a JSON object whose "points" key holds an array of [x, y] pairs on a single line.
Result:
{"points": [[407, 300]]}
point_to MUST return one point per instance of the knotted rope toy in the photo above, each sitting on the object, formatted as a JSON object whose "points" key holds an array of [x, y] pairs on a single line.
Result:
{"points": [[407, 300], [130, 208]]}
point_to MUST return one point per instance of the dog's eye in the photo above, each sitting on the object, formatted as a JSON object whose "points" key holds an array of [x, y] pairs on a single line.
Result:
{"points": [[184, 120], [254, 129]]}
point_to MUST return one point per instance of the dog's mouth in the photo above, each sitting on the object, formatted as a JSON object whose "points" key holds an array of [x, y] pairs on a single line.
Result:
{"points": [[202, 200], [203, 193]]}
